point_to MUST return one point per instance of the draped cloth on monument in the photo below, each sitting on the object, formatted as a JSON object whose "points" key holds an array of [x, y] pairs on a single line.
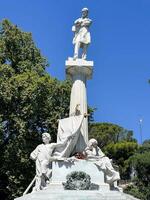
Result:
{"points": [[68, 127]]}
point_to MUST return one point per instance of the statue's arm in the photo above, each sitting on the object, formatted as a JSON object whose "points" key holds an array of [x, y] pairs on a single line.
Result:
{"points": [[87, 22], [100, 153], [76, 25], [78, 21], [34, 154], [89, 154], [60, 144]]}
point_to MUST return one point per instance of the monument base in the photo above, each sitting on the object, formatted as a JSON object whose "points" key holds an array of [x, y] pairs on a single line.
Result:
{"points": [[60, 169], [76, 195], [55, 190]]}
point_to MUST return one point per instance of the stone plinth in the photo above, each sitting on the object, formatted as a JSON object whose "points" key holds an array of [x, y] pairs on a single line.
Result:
{"points": [[61, 169], [55, 190], [76, 195], [79, 71]]}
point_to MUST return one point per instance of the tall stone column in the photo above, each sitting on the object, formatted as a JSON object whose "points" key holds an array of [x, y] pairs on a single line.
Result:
{"points": [[79, 71]]}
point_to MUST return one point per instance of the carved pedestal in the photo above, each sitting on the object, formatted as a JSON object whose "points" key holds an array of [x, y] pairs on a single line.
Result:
{"points": [[61, 169]]}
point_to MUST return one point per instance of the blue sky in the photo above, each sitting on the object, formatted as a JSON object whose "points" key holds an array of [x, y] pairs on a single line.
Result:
{"points": [[120, 50]]}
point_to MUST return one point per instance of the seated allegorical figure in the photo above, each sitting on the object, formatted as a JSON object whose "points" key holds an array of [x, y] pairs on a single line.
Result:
{"points": [[42, 155], [94, 153]]}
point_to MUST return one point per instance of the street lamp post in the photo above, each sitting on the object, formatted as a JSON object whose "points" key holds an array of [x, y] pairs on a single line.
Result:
{"points": [[140, 126]]}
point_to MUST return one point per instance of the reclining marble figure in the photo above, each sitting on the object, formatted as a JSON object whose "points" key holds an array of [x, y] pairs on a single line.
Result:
{"points": [[94, 153]]}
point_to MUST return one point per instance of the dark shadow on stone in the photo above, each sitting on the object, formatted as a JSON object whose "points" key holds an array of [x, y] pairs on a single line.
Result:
{"points": [[67, 164], [94, 186]]}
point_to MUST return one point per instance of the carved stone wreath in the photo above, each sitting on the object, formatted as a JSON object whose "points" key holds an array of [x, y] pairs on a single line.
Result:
{"points": [[77, 180]]}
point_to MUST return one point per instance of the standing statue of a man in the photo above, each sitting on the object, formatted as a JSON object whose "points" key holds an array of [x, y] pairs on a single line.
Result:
{"points": [[43, 157], [82, 36]]}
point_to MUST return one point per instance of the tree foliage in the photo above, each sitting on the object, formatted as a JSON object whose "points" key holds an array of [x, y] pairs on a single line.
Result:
{"points": [[120, 153], [140, 162], [31, 103], [107, 133]]}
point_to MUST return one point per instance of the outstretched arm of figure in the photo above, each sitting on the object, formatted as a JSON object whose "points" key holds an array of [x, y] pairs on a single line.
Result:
{"points": [[34, 154], [60, 144]]}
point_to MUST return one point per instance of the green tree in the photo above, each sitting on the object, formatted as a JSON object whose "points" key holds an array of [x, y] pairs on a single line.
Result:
{"points": [[120, 153], [31, 103], [141, 165], [140, 162], [107, 133], [145, 147]]}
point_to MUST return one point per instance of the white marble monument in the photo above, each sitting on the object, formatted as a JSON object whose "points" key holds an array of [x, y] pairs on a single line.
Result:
{"points": [[54, 161]]}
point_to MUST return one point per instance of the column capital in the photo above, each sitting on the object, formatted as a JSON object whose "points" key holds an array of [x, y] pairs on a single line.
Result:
{"points": [[79, 66]]}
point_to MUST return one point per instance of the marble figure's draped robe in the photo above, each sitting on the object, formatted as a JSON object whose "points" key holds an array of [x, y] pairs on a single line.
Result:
{"points": [[104, 163]]}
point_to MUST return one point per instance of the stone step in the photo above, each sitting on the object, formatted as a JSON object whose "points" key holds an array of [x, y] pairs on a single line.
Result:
{"points": [[75, 195]]}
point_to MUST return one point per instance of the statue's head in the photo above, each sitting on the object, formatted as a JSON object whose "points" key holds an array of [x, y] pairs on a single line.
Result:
{"points": [[92, 143], [85, 12], [46, 138]]}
